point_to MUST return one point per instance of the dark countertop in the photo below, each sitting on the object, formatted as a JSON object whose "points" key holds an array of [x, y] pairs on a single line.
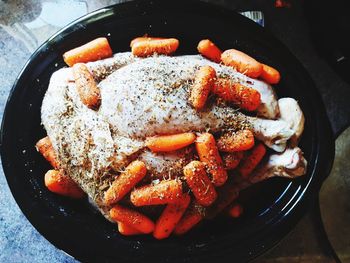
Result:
{"points": [[24, 25]]}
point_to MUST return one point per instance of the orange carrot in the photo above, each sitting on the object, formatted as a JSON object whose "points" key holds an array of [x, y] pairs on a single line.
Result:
{"points": [[242, 62], [132, 218], [209, 50], [94, 50], [252, 160], [232, 160], [170, 216], [166, 143], [87, 88], [147, 48], [199, 182], [192, 217], [145, 38], [241, 140], [123, 184], [235, 210], [226, 195], [127, 230], [270, 74], [282, 4], [203, 83], [165, 192], [245, 97], [59, 183], [209, 154], [44, 146]]}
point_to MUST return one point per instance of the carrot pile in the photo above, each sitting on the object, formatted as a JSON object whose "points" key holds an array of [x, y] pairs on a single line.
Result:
{"points": [[242, 62], [125, 182], [60, 183], [204, 189], [168, 143], [132, 218], [252, 159], [235, 210], [56, 180], [209, 50], [144, 47], [44, 146], [199, 183], [96, 49], [241, 140], [209, 154], [192, 217], [165, 192], [127, 230], [270, 74], [87, 88], [170, 216], [232, 160], [244, 97], [203, 84]]}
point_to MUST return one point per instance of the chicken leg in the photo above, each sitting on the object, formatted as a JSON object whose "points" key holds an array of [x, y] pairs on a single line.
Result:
{"points": [[289, 164], [291, 113]]}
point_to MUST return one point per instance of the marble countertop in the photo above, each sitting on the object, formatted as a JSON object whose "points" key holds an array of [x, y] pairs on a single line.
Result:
{"points": [[24, 25]]}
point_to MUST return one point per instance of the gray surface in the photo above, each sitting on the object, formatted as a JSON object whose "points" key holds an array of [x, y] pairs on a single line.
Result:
{"points": [[24, 25], [334, 199]]}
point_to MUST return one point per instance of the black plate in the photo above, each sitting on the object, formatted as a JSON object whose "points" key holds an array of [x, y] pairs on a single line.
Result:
{"points": [[271, 209]]}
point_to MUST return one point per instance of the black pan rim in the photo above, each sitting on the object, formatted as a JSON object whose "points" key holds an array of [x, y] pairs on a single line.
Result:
{"points": [[325, 149]]}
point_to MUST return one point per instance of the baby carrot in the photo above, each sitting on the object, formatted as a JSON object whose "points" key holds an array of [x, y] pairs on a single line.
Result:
{"points": [[166, 143], [209, 50], [127, 230], [59, 183], [242, 62], [145, 38], [253, 158], [132, 218], [44, 146], [88, 91], [199, 182], [167, 191], [235, 210], [226, 195], [209, 154], [170, 216], [241, 140], [123, 184], [231, 160], [192, 217], [245, 97], [202, 85], [147, 48], [270, 74], [94, 50]]}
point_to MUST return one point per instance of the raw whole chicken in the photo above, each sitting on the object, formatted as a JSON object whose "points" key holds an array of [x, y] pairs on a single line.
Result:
{"points": [[147, 97]]}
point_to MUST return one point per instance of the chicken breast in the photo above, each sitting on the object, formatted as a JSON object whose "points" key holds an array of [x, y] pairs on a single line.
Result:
{"points": [[102, 68], [151, 98], [168, 165]]}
